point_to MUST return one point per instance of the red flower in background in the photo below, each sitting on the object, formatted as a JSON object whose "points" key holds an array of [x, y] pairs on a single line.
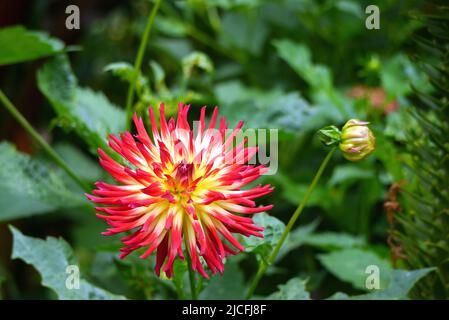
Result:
{"points": [[179, 188], [377, 97]]}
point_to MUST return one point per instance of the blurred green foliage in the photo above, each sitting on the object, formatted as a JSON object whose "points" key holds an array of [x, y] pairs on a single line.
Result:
{"points": [[292, 65]]}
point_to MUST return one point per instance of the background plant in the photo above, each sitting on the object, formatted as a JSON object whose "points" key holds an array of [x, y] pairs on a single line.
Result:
{"points": [[292, 65]]}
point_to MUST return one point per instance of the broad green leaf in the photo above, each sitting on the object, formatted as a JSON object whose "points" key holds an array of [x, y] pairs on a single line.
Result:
{"points": [[329, 241], [348, 173], [89, 113], [29, 186], [398, 74], [51, 257], [272, 109], [19, 45], [272, 233], [294, 289], [333, 240], [296, 238], [298, 56], [241, 32], [351, 265], [294, 192], [399, 285], [229, 286], [84, 166]]}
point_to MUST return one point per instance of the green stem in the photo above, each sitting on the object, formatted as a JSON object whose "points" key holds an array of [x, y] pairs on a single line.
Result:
{"points": [[44, 145], [138, 62], [264, 265], [191, 278]]}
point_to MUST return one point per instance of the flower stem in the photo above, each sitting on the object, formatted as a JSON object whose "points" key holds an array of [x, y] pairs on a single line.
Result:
{"points": [[42, 143], [138, 62], [264, 265], [191, 278]]}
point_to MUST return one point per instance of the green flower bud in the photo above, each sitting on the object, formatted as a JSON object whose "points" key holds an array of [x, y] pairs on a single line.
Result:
{"points": [[357, 140]]}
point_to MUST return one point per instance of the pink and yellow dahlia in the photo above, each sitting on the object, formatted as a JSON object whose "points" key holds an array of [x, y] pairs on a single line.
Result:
{"points": [[178, 188]]}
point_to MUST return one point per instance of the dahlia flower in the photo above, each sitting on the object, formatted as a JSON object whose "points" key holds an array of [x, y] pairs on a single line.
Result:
{"points": [[180, 187]]}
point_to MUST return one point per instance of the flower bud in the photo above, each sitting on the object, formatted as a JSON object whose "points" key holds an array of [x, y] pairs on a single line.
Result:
{"points": [[357, 140]]}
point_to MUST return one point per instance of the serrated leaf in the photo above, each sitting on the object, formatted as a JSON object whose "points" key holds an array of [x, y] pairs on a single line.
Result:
{"points": [[345, 173], [229, 286], [272, 233], [399, 285], [272, 109], [89, 113], [19, 44], [29, 186], [85, 167], [294, 289], [296, 238], [333, 240], [51, 257], [350, 265]]}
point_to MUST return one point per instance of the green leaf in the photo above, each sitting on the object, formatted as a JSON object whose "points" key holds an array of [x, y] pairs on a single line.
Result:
{"points": [[158, 75], [241, 32], [294, 192], [196, 59], [349, 173], [298, 56], [229, 286], [85, 167], [333, 240], [89, 113], [19, 45], [171, 27], [180, 278], [329, 241], [398, 287], [123, 70], [350, 265], [29, 186], [296, 238], [398, 74], [294, 289], [272, 233], [272, 109], [51, 257]]}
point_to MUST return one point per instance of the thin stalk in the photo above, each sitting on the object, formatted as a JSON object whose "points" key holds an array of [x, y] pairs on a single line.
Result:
{"points": [[42, 143], [138, 62], [191, 278], [264, 265]]}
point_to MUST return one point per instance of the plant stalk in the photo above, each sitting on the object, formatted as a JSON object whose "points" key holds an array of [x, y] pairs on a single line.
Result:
{"points": [[42, 143], [264, 265], [138, 62], [191, 278]]}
